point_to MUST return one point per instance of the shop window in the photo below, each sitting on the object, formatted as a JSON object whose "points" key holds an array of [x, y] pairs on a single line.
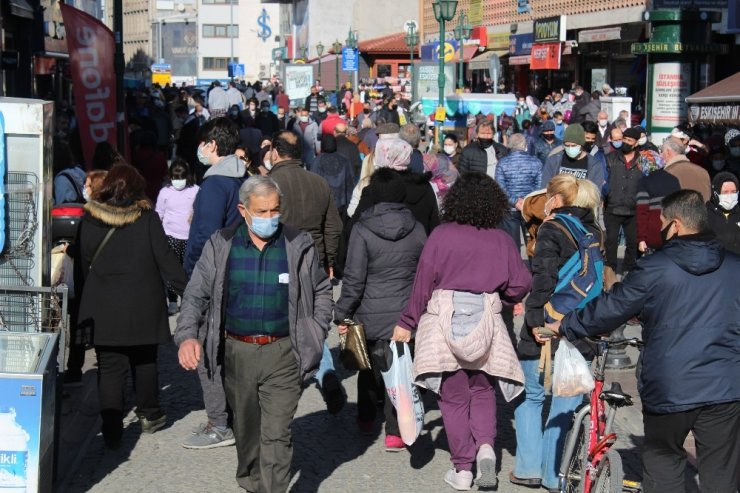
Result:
{"points": [[384, 70], [217, 63]]}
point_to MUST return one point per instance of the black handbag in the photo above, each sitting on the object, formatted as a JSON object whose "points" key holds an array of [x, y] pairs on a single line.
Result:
{"points": [[353, 347]]}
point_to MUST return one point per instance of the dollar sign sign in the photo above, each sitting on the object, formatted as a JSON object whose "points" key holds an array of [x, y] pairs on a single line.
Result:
{"points": [[265, 31]]}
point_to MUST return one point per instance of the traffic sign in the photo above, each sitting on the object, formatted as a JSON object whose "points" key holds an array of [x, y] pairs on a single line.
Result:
{"points": [[350, 60]]}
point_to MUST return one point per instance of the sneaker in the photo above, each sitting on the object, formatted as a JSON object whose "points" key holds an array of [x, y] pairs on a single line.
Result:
{"points": [[528, 482], [210, 437], [459, 480], [333, 394], [197, 430], [485, 461], [152, 425], [172, 308], [394, 443]]}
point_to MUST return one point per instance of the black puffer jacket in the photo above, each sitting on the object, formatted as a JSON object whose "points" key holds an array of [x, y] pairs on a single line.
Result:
{"points": [[384, 249], [623, 183], [474, 158], [552, 251], [724, 223]]}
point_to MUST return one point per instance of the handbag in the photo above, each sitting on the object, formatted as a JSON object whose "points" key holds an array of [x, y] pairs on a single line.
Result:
{"points": [[353, 347]]}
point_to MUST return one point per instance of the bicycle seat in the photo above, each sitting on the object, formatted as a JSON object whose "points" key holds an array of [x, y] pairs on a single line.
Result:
{"points": [[615, 396]]}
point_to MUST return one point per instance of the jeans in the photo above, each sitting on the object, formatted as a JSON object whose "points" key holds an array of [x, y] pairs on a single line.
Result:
{"points": [[326, 365], [513, 225], [537, 452]]}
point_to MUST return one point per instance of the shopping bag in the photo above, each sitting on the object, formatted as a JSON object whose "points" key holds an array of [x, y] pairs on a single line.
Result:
{"points": [[571, 374], [353, 347], [403, 393]]}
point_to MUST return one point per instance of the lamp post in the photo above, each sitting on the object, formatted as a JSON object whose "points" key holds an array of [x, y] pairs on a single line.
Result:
{"points": [[462, 34], [411, 39], [337, 46], [319, 52], [351, 42], [444, 11]]}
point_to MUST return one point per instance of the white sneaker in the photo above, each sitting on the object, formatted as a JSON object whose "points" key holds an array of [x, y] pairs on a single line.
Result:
{"points": [[485, 460], [459, 480]]}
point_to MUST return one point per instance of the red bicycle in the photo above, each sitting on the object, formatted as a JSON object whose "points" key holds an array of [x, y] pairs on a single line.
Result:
{"points": [[589, 463]]}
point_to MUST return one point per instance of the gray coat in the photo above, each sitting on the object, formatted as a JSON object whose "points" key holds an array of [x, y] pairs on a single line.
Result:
{"points": [[384, 250], [310, 299]]}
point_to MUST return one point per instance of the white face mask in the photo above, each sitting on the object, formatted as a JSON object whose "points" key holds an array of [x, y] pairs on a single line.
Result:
{"points": [[304, 119], [642, 141], [449, 150], [267, 164], [85, 195], [728, 201], [603, 123], [179, 184]]}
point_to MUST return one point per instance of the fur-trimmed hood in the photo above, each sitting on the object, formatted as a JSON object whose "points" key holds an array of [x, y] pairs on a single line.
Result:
{"points": [[117, 216]]}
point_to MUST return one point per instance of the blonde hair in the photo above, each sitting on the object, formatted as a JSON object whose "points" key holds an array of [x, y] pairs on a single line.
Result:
{"points": [[574, 192]]}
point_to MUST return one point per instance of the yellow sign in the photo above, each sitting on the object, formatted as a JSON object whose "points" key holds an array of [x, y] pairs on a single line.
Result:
{"points": [[449, 52], [161, 78], [498, 41], [440, 114], [475, 12]]}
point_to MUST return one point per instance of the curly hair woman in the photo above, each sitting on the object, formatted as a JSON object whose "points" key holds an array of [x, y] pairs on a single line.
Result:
{"points": [[467, 269]]}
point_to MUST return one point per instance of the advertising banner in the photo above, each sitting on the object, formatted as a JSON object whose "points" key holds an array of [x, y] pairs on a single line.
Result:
{"points": [[298, 80], [430, 51], [427, 85], [91, 48], [180, 48], [549, 29], [521, 44], [671, 85], [20, 416], [350, 60], [545, 56]]}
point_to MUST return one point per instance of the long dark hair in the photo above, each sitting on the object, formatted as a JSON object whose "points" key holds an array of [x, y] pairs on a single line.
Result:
{"points": [[122, 186]]}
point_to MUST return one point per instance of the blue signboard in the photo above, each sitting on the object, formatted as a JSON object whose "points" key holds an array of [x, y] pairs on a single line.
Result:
{"points": [[521, 44], [350, 60], [522, 6], [2, 182], [430, 51], [236, 70]]}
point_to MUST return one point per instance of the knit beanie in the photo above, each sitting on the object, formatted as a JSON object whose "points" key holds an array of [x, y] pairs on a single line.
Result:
{"points": [[575, 134]]}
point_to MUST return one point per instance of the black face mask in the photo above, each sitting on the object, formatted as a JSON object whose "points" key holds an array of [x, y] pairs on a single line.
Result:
{"points": [[366, 111], [485, 143], [664, 232], [587, 146], [627, 148], [549, 137]]}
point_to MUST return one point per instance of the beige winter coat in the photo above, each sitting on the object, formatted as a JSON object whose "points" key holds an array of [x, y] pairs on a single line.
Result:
{"points": [[487, 347]]}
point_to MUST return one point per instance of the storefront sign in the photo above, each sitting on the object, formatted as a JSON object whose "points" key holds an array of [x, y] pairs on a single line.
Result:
{"points": [[520, 60], [498, 41], [521, 44], [597, 35], [475, 12], [549, 29], [648, 48], [180, 47], [688, 4], [545, 56], [91, 47], [721, 113], [671, 85], [430, 51]]}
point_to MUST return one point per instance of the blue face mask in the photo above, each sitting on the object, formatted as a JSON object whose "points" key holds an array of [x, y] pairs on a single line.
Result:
{"points": [[617, 144], [264, 227]]}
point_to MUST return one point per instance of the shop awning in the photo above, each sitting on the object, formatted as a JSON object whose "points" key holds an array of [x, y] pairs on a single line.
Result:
{"points": [[483, 61], [718, 103], [468, 53]]}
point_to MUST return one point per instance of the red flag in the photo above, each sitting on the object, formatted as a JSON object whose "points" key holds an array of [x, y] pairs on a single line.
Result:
{"points": [[91, 49]]}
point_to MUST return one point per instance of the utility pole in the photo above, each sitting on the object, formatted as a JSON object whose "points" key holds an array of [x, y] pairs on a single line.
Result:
{"points": [[119, 65]]}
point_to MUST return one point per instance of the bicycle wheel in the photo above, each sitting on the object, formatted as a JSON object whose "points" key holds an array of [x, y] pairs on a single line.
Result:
{"points": [[576, 459], [609, 475]]}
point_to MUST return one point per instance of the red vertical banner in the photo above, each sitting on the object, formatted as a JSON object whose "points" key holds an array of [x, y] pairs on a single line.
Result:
{"points": [[91, 48], [545, 56]]}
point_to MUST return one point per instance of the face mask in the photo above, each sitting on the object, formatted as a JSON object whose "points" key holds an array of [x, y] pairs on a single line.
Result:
{"points": [[549, 137], [687, 150], [304, 119], [85, 195], [558, 122], [547, 212], [642, 141], [366, 111], [485, 143], [627, 148], [202, 157], [735, 151], [617, 144], [718, 165], [573, 152], [264, 227], [322, 110], [603, 123], [252, 108], [268, 164], [179, 184], [664, 232], [449, 150], [588, 146], [728, 201]]}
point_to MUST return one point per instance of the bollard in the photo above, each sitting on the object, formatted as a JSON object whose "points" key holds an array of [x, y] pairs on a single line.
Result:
{"points": [[617, 358]]}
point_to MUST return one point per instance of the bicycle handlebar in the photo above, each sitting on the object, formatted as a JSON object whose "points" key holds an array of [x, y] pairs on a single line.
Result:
{"points": [[633, 341]]}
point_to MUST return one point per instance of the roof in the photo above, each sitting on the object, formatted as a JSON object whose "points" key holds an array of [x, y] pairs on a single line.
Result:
{"points": [[724, 91], [390, 44]]}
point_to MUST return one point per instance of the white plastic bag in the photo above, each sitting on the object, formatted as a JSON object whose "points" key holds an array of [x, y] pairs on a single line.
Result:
{"points": [[571, 374], [403, 394]]}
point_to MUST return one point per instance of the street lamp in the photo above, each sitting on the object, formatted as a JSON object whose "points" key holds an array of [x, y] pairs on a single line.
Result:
{"points": [[444, 11], [411, 39], [319, 52], [337, 46], [462, 34]]}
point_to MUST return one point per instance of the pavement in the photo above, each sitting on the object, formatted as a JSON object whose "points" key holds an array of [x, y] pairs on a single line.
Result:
{"points": [[330, 455]]}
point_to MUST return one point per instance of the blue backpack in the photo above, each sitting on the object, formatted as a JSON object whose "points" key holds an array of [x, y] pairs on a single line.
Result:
{"points": [[581, 279]]}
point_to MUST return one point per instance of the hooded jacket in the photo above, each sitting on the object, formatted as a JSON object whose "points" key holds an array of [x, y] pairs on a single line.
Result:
{"points": [[594, 172], [684, 294], [215, 205], [309, 300], [122, 301], [724, 223], [384, 250]]}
